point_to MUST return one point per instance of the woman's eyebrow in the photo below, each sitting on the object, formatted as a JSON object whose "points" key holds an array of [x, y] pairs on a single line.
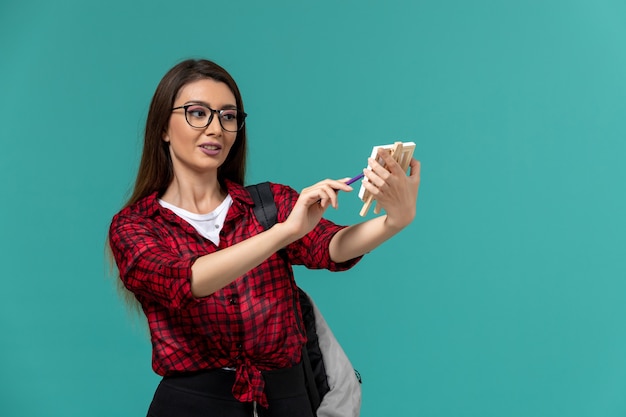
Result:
{"points": [[204, 103]]}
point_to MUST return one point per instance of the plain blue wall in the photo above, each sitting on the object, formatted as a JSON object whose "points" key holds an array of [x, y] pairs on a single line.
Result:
{"points": [[505, 297]]}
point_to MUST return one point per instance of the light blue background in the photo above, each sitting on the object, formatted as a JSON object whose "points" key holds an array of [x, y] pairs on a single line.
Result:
{"points": [[505, 297]]}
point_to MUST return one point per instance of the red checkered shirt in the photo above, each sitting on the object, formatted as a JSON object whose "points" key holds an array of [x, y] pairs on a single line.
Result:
{"points": [[251, 324]]}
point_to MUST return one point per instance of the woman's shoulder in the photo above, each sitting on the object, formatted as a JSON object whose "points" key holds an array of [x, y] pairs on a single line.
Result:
{"points": [[283, 194], [282, 188], [142, 208], [279, 191]]}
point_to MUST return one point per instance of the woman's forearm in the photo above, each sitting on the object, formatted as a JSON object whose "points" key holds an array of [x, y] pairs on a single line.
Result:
{"points": [[216, 270], [358, 239]]}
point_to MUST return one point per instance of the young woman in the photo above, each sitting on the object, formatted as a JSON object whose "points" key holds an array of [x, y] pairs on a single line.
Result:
{"points": [[221, 304]]}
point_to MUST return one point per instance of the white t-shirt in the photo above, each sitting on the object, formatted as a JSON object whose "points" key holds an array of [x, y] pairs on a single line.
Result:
{"points": [[208, 225]]}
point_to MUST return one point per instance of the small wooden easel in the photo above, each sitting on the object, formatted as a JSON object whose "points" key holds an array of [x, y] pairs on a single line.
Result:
{"points": [[402, 153]]}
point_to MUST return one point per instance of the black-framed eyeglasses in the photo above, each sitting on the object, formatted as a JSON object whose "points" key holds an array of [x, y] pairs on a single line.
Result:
{"points": [[200, 116]]}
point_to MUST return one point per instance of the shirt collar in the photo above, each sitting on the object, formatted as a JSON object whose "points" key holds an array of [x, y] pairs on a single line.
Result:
{"points": [[150, 204], [239, 193]]}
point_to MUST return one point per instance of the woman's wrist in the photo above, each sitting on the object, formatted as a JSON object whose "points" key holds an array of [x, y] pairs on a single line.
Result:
{"points": [[284, 234], [397, 223]]}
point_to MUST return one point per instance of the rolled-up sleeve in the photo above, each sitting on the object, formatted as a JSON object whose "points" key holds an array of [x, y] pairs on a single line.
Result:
{"points": [[147, 266]]}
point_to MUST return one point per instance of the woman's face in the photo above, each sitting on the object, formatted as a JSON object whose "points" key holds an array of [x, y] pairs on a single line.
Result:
{"points": [[200, 151]]}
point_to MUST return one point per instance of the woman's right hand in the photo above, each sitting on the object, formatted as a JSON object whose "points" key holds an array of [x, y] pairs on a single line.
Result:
{"points": [[311, 205]]}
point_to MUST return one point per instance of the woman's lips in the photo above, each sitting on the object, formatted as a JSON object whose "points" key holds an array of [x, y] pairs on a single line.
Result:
{"points": [[210, 149]]}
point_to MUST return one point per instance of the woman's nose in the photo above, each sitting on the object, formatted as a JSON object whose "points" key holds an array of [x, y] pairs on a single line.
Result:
{"points": [[214, 125]]}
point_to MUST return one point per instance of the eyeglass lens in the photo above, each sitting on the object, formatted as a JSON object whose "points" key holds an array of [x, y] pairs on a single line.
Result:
{"points": [[200, 116]]}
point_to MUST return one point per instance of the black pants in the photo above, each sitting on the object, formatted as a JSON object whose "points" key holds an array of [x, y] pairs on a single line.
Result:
{"points": [[208, 394]]}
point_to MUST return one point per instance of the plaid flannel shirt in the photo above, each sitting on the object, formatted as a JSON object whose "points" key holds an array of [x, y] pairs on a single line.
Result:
{"points": [[252, 324]]}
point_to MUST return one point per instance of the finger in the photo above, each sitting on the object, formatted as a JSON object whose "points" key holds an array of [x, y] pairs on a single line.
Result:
{"points": [[335, 184], [325, 194], [331, 195], [333, 187], [378, 174], [390, 163], [381, 167], [374, 190], [372, 177], [340, 184], [415, 169]]}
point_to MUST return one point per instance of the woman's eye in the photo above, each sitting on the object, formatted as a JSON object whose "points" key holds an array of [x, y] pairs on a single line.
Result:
{"points": [[229, 115], [198, 112]]}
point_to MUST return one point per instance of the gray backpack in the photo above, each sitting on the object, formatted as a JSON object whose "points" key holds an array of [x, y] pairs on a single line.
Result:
{"points": [[334, 386]]}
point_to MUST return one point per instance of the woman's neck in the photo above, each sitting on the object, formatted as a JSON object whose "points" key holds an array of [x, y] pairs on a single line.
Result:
{"points": [[197, 195]]}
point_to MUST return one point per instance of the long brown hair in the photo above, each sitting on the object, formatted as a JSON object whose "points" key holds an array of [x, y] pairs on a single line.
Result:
{"points": [[155, 169]]}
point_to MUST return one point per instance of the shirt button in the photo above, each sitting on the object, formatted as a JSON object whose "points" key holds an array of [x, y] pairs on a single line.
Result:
{"points": [[232, 301], [239, 345]]}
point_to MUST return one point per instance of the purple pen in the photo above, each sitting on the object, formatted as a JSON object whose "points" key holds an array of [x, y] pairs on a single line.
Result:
{"points": [[355, 179]]}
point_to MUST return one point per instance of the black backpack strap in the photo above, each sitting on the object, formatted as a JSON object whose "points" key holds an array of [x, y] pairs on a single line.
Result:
{"points": [[312, 360], [264, 204]]}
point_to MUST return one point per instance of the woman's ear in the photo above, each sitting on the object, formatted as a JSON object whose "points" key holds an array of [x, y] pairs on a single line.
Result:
{"points": [[165, 137]]}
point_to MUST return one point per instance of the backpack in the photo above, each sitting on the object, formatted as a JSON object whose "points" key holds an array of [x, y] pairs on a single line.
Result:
{"points": [[333, 385]]}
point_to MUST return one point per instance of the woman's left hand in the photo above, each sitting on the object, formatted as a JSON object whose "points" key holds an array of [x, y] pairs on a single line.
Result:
{"points": [[393, 189]]}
